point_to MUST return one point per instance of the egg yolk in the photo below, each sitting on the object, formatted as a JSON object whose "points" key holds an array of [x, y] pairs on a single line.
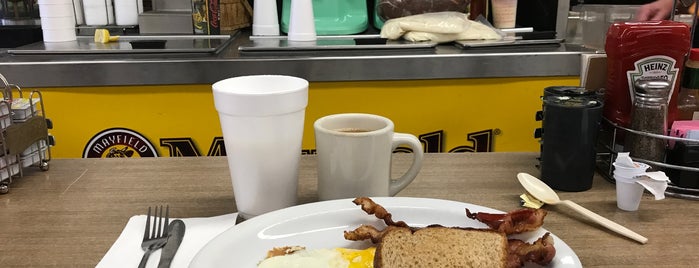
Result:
{"points": [[358, 258]]}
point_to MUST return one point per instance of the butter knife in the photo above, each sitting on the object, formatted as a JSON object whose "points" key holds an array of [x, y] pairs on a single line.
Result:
{"points": [[175, 234]]}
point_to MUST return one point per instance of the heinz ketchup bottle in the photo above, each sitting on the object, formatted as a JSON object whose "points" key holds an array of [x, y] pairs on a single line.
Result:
{"points": [[643, 50]]}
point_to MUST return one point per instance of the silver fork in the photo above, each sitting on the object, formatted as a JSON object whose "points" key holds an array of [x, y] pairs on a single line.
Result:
{"points": [[157, 237]]}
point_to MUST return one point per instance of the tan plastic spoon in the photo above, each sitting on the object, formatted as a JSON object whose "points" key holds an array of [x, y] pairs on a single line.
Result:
{"points": [[544, 193]]}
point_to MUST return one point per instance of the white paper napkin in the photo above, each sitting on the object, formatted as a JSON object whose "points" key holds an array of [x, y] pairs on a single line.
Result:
{"points": [[127, 252]]}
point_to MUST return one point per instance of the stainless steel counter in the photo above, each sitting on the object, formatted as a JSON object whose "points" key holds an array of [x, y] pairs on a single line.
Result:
{"points": [[441, 62]]}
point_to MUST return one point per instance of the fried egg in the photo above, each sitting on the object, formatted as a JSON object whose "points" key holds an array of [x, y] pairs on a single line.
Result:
{"points": [[323, 258]]}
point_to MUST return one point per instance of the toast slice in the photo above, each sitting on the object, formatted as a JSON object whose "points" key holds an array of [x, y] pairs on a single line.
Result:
{"points": [[440, 247]]}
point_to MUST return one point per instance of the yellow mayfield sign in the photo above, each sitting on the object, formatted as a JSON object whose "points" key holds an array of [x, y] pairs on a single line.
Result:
{"points": [[449, 115]]}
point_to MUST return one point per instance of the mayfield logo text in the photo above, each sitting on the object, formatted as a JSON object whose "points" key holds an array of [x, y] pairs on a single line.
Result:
{"points": [[117, 143], [433, 142], [128, 143]]}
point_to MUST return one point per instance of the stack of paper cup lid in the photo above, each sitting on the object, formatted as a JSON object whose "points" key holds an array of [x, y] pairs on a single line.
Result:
{"points": [[98, 12], [57, 20]]}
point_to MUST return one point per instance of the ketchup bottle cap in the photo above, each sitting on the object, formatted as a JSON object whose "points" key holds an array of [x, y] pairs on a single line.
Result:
{"points": [[694, 54]]}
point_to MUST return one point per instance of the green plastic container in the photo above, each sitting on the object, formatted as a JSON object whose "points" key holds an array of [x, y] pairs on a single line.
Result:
{"points": [[378, 21], [333, 17]]}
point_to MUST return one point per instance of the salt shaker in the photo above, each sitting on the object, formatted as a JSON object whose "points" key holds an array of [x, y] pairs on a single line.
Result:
{"points": [[649, 115]]}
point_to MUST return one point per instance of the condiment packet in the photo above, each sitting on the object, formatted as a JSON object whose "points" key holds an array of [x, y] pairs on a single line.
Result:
{"points": [[683, 129], [529, 201]]}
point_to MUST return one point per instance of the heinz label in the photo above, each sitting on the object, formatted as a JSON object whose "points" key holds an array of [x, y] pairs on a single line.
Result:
{"points": [[657, 67]]}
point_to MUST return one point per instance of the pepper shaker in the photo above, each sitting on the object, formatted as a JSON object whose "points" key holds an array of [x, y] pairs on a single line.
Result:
{"points": [[649, 115]]}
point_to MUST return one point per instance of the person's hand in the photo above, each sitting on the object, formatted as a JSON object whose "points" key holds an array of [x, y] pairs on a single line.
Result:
{"points": [[658, 10]]}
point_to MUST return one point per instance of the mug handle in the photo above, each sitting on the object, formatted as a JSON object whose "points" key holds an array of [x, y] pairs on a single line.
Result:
{"points": [[414, 144]]}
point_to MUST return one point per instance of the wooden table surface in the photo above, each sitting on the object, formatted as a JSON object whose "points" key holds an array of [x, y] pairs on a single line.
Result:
{"points": [[70, 215]]}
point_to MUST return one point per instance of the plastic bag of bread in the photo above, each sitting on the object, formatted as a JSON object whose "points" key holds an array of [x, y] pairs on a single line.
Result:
{"points": [[440, 27], [391, 9]]}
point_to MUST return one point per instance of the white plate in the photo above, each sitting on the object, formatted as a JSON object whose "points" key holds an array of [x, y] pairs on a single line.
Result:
{"points": [[321, 225]]}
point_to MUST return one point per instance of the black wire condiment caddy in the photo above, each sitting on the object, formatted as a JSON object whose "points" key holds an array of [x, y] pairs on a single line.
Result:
{"points": [[608, 148], [24, 137]]}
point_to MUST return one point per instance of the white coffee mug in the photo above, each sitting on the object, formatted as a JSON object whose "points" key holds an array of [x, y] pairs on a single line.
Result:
{"points": [[354, 156]]}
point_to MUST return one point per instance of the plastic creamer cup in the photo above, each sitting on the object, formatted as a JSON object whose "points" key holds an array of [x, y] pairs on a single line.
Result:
{"points": [[628, 191]]}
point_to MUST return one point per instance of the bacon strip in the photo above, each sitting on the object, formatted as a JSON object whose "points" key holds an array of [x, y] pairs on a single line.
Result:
{"points": [[371, 208], [519, 252], [514, 222], [365, 232], [540, 252]]}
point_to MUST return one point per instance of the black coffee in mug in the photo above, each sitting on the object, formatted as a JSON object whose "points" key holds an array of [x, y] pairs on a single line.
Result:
{"points": [[352, 130]]}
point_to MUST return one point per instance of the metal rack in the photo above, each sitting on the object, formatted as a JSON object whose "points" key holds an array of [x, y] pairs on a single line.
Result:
{"points": [[24, 137], [607, 150]]}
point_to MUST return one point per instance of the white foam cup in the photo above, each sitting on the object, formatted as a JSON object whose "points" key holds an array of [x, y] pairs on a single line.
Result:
{"points": [[628, 191], [262, 119], [301, 21], [264, 18]]}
